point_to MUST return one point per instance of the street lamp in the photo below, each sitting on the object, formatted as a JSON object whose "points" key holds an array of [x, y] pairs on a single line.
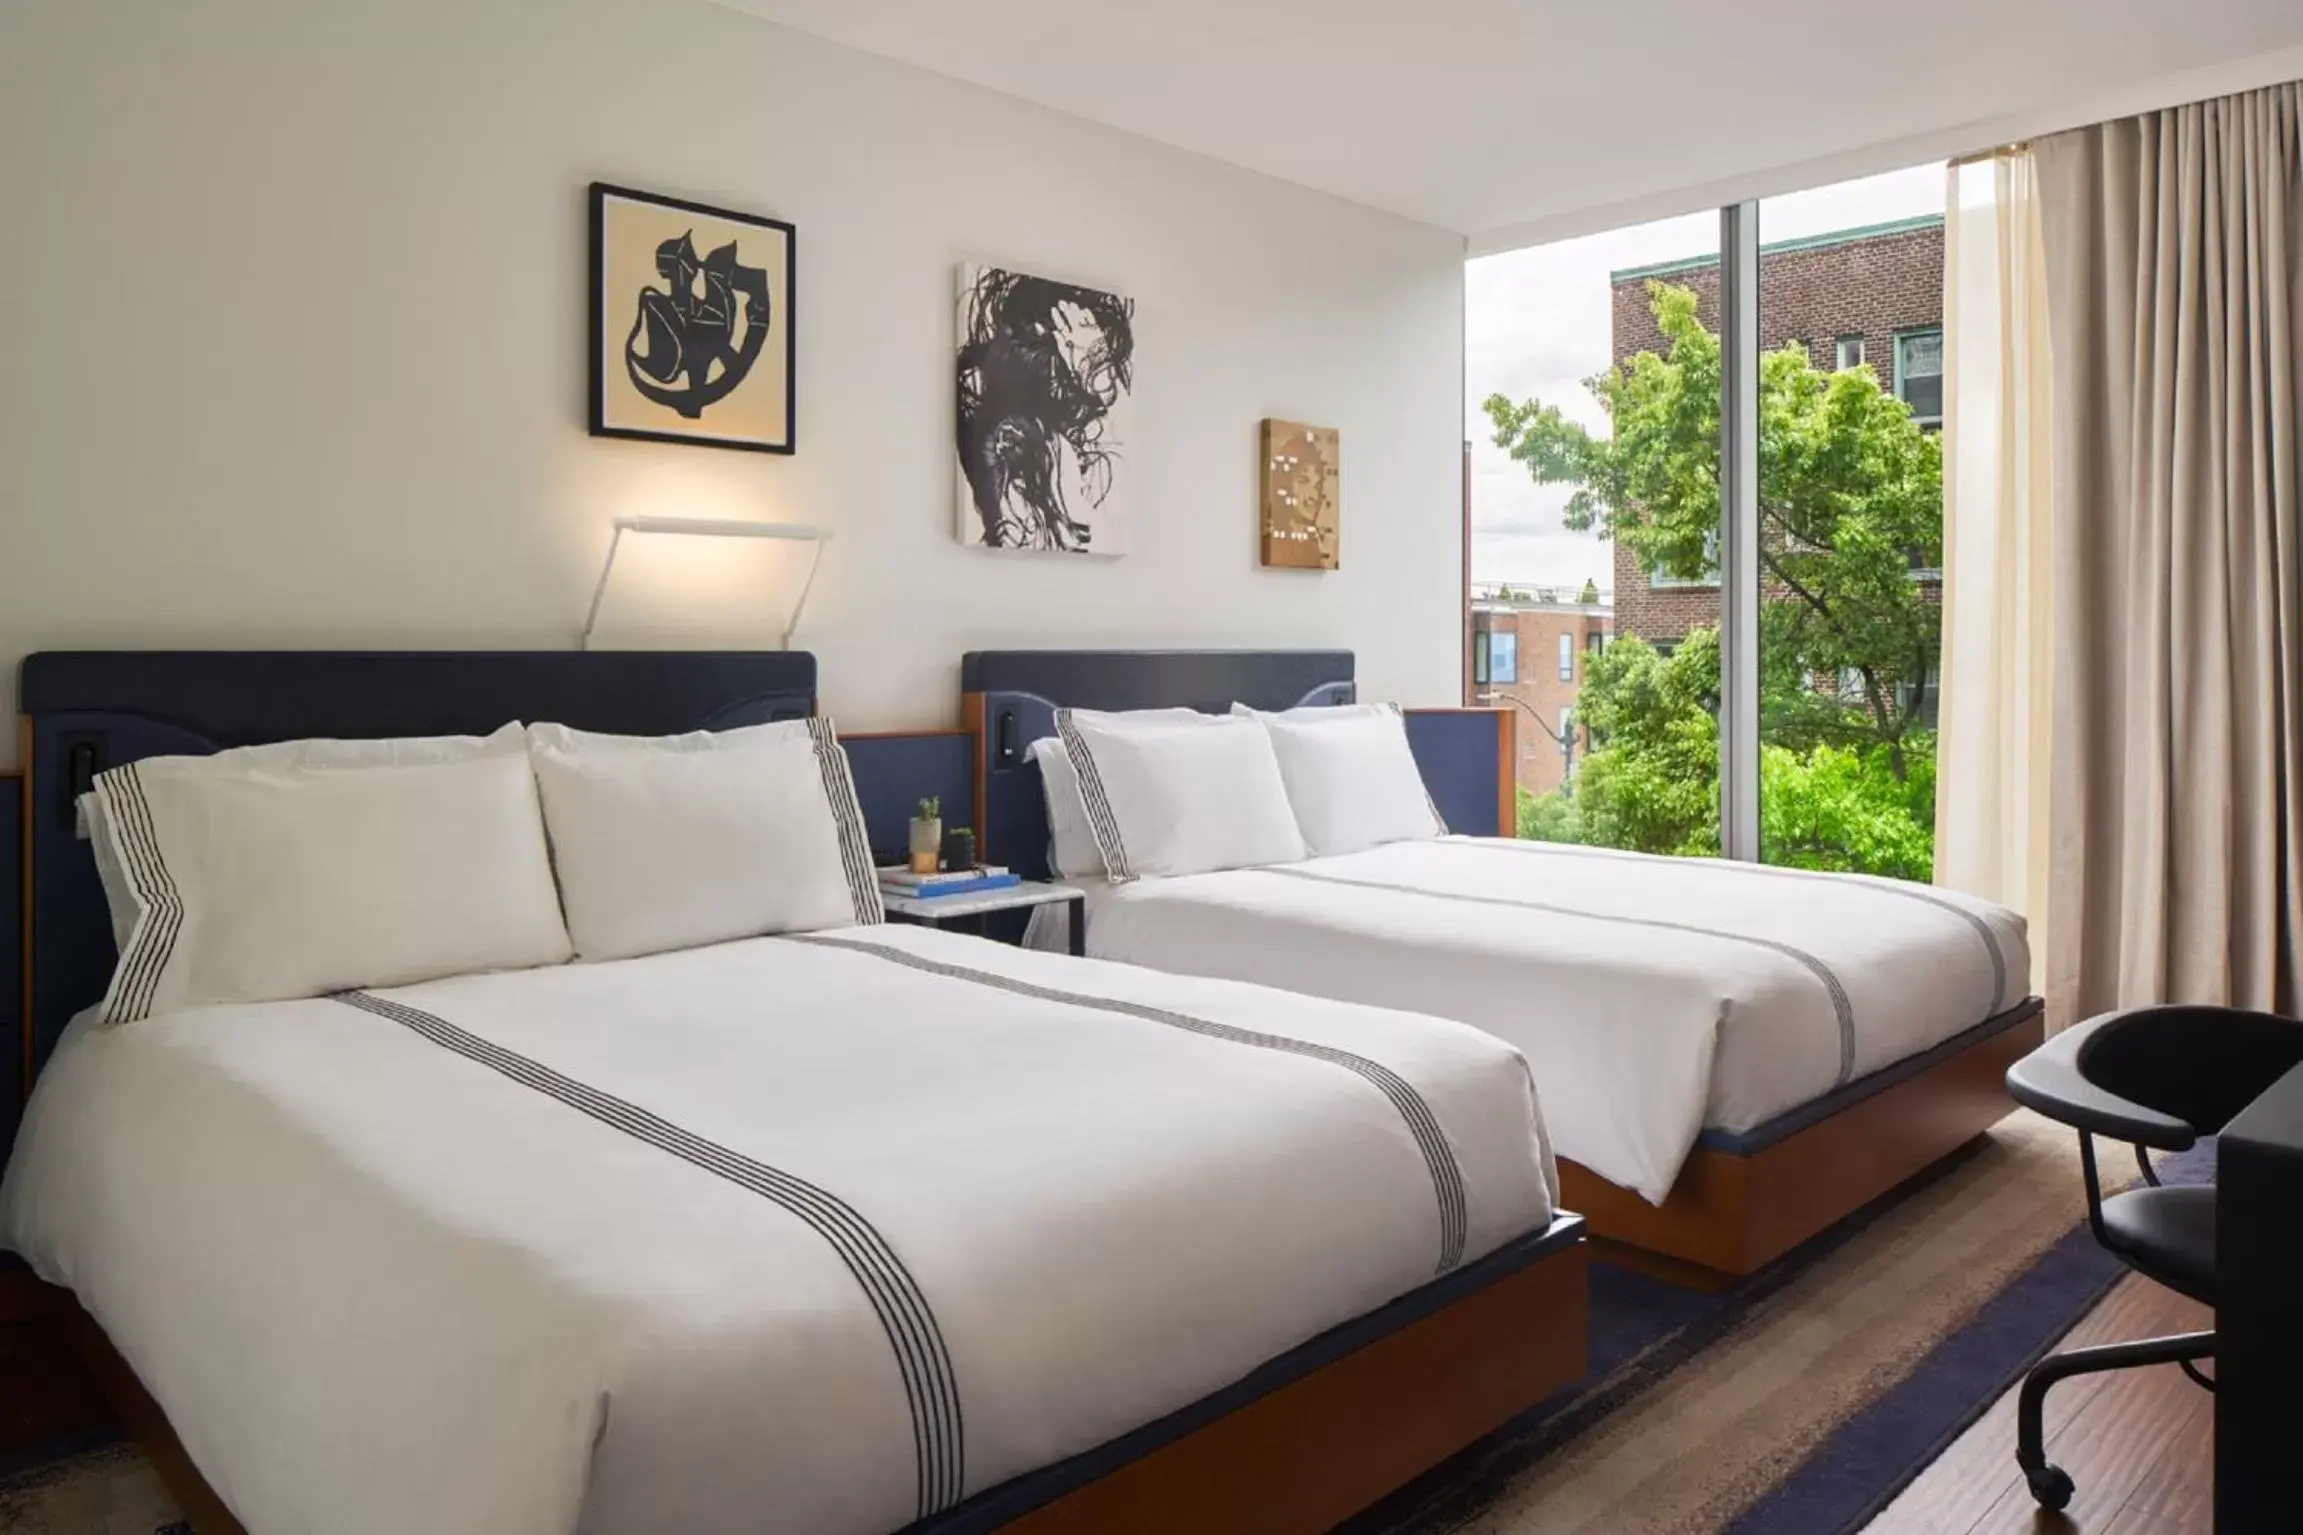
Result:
{"points": [[1562, 736]]}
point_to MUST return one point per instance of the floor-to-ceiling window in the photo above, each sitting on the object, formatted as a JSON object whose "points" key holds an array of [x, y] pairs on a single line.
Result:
{"points": [[1617, 381], [1594, 389], [1850, 607]]}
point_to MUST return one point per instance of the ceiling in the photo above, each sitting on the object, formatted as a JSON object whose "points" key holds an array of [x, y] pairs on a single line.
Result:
{"points": [[1501, 119]]}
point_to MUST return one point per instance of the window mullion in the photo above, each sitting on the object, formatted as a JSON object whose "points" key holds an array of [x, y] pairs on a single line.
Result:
{"points": [[1739, 531]]}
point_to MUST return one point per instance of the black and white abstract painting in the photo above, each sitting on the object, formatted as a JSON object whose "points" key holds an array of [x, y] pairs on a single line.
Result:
{"points": [[1046, 395], [691, 323]]}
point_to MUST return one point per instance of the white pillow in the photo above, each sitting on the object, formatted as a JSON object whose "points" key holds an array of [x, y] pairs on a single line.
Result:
{"points": [[1072, 850], [281, 756], [310, 867], [1350, 776], [1169, 796], [671, 842]]}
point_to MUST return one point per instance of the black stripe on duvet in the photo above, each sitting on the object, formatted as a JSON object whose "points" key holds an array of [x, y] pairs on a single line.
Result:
{"points": [[1422, 1124], [128, 817], [1843, 1009], [1101, 821], [922, 1360], [1878, 884]]}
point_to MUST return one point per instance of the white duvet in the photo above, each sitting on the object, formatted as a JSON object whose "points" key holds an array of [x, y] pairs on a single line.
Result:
{"points": [[1652, 996], [781, 1235]]}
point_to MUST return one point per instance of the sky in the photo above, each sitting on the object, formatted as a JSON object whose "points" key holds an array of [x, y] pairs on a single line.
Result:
{"points": [[1536, 323]]}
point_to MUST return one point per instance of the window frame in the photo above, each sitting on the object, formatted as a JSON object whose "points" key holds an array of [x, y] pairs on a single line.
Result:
{"points": [[1903, 340], [1657, 581], [1734, 566], [1495, 677]]}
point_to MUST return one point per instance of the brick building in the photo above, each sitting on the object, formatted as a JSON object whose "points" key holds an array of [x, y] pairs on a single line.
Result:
{"points": [[1528, 650], [1870, 295]]}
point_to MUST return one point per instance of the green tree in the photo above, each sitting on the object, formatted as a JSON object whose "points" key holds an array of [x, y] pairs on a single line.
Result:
{"points": [[1549, 817], [1850, 497], [1651, 780], [1833, 807]]}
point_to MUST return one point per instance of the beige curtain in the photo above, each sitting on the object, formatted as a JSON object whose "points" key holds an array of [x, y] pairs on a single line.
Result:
{"points": [[1991, 822], [2174, 271]]}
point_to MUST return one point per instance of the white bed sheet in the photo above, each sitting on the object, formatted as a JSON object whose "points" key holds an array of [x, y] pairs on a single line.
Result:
{"points": [[379, 1284], [1654, 997]]}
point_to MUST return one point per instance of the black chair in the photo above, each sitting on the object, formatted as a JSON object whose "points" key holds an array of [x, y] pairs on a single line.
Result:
{"points": [[2160, 1078]]}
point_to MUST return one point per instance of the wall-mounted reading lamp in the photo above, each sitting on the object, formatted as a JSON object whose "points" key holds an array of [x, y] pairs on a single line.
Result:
{"points": [[705, 582]]}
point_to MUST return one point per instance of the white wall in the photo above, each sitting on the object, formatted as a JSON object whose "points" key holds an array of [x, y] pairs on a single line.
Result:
{"points": [[292, 315]]}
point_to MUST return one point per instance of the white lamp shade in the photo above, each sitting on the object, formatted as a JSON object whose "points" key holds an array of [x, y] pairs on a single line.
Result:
{"points": [[688, 583]]}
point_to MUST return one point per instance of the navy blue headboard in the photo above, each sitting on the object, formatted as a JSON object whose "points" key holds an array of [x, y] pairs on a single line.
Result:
{"points": [[91, 710], [1008, 698], [895, 770], [1470, 763]]}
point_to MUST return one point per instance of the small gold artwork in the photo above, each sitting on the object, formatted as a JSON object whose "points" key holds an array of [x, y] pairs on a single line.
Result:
{"points": [[1302, 495]]}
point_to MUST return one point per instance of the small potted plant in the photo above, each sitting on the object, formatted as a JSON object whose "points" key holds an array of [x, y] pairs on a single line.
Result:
{"points": [[960, 848], [927, 835]]}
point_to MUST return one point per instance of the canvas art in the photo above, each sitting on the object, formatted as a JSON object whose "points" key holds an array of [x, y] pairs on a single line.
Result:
{"points": [[1046, 386], [1302, 495], [691, 324]]}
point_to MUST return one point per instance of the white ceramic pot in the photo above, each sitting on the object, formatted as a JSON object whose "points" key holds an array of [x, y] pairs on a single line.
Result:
{"points": [[927, 845]]}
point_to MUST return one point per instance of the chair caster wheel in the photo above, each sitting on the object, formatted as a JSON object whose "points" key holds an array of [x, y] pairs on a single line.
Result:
{"points": [[2051, 1486]]}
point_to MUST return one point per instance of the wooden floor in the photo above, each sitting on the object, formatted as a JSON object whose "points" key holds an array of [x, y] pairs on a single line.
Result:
{"points": [[2138, 1442]]}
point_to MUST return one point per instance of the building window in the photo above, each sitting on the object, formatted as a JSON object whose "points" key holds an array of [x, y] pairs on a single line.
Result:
{"points": [[1502, 656], [1567, 658], [1919, 373], [1595, 641], [1658, 581], [1850, 352], [1923, 698]]}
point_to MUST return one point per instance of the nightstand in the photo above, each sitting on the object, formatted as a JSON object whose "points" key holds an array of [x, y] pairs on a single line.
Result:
{"points": [[976, 911]]}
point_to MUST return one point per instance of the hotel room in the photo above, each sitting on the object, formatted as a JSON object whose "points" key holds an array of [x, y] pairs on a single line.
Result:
{"points": [[1097, 770]]}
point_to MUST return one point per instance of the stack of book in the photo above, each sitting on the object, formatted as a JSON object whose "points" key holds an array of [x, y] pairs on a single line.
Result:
{"points": [[902, 881]]}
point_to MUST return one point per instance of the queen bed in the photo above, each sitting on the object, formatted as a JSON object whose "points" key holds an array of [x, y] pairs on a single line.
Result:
{"points": [[1732, 1057], [848, 1228]]}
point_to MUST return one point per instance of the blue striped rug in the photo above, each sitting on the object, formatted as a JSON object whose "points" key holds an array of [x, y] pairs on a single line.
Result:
{"points": [[1648, 1339]]}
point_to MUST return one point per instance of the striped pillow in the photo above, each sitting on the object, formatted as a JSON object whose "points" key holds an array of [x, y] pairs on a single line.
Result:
{"points": [[304, 868], [1169, 797]]}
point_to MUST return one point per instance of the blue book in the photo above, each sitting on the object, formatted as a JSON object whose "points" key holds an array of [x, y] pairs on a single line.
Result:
{"points": [[942, 888]]}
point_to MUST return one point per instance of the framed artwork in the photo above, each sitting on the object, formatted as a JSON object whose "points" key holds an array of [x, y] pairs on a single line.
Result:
{"points": [[1302, 495], [1046, 413], [691, 323]]}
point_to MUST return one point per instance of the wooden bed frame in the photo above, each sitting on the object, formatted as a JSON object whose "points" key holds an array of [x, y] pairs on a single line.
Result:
{"points": [[1295, 1460], [1733, 1213], [1305, 1440], [1733, 1209]]}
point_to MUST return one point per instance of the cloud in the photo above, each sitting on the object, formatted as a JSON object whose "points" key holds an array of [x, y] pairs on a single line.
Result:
{"points": [[1518, 530]]}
